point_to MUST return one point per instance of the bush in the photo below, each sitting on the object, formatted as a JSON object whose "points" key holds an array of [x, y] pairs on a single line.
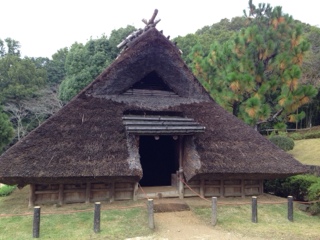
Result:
{"points": [[283, 142], [6, 190], [296, 186], [296, 136], [314, 194], [311, 135]]}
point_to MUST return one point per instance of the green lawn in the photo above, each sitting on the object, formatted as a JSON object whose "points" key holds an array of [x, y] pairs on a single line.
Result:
{"points": [[272, 222], [307, 151]]}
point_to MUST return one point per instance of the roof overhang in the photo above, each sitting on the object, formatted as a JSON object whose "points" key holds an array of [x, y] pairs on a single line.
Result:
{"points": [[161, 125]]}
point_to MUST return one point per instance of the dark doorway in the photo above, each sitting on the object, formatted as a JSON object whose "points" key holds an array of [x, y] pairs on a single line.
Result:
{"points": [[159, 159]]}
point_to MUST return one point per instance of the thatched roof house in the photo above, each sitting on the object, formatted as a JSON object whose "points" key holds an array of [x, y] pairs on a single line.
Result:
{"points": [[145, 118]]}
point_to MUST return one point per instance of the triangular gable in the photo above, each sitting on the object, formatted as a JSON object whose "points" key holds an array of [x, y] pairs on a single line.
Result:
{"points": [[152, 53]]}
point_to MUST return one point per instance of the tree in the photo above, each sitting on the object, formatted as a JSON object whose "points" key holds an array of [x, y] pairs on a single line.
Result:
{"points": [[6, 130], [19, 78], [9, 47], [255, 75], [85, 62]]}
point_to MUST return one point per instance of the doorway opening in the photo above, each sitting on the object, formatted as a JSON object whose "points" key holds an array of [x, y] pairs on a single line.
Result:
{"points": [[159, 159]]}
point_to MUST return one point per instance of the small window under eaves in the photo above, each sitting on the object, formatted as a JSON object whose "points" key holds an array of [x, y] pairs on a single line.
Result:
{"points": [[151, 85]]}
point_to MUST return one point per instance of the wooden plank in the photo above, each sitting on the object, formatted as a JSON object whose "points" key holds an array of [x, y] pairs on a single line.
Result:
{"points": [[112, 192], [61, 196], [135, 190], [47, 192], [243, 188], [88, 192]]}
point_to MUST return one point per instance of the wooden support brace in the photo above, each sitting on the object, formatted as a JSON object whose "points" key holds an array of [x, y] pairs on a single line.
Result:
{"points": [[112, 191], [135, 191], [202, 188]]}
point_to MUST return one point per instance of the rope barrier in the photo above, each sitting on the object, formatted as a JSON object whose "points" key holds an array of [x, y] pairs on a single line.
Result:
{"points": [[193, 190], [145, 195]]}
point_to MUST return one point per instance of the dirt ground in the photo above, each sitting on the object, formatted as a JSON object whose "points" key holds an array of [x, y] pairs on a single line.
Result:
{"points": [[184, 224]]}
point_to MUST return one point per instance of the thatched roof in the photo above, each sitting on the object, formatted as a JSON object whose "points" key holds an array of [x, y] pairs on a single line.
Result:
{"points": [[87, 138]]}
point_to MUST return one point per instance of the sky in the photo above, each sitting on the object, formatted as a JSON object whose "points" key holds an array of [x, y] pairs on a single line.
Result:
{"points": [[44, 26]]}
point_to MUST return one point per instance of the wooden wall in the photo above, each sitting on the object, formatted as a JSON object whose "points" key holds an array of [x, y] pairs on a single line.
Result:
{"points": [[113, 191], [81, 192]]}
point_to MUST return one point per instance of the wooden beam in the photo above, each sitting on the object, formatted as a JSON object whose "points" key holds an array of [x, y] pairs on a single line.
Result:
{"points": [[221, 188], [32, 196], [61, 197], [88, 192]]}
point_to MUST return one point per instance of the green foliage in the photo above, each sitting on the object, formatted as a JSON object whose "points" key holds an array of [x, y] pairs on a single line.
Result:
{"points": [[296, 186], [6, 130], [20, 78], [6, 190], [296, 136], [283, 142], [9, 47], [84, 63], [255, 74]]}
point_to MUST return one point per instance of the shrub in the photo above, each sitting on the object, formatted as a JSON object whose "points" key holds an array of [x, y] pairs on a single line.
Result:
{"points": [[296, 136], [283, 142], [311, 135], [314, 194], [296, 186], [6, 190]]}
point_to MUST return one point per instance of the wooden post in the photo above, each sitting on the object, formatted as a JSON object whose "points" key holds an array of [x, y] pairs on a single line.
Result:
{"points": [[150, 214], [214, 211], [88, 192], [254, 210], [36, 222], [112, 191], [243, 188], [261, 187], [32, 196], [202, 186], [96, 220], [290, 208], [135, 191], [221, 188], [181, 186], [61, 198]]}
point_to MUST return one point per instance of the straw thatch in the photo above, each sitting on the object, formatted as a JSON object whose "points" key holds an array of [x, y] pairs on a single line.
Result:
{"points": [[87, 138]]}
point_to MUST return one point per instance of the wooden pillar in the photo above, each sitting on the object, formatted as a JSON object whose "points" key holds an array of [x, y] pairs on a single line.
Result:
{"points": [[181, 175], [261, 186], [202, 188], [221, 188], [88, 192], [61, 197], [112, 191], [135, 191], [32, 196], [181, 186], [243, 188]]}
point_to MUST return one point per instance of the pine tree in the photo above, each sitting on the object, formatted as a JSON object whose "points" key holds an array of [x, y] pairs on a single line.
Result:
{"points": [[255, 76]]}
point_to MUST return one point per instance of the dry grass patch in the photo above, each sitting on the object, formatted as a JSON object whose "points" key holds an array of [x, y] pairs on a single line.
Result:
{"points": [[307, 151]]}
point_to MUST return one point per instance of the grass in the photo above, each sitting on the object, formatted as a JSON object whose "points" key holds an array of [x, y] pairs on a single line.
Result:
{"points": [[307, 151], [121, 220], [5, 190], [272, 222]]}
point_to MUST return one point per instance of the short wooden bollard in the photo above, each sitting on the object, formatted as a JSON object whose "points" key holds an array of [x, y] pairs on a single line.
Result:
{"points": [[290, 208], [96, 220], [36, 222], [150, 214], [214, 211], [254, 218]]}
